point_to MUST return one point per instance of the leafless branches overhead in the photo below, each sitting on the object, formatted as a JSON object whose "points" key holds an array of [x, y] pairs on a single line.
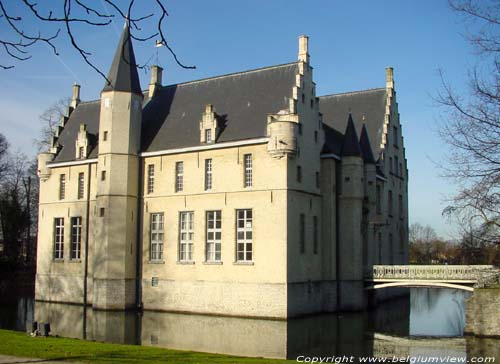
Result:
{"points": [[26, 23]]}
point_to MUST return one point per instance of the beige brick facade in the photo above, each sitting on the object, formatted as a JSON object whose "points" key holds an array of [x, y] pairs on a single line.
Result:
{"points": [[271, 226]]}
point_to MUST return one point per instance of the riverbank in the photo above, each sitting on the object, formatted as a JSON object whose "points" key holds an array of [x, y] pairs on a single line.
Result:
{"points": [[482, 318], [56, 348]]}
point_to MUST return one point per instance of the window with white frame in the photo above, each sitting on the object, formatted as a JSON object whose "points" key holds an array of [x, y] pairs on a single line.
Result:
{"points": [[186, 236], [59, 238], [81, 185], [76, 237], [179, 176], [248, 170], [244, 232], [214, 236], [208, 135], [156, 231], [151, 178], [208, 174], [62, 187]]}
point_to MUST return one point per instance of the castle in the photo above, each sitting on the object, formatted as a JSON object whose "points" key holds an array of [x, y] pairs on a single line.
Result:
{"points": [[243, 194]]}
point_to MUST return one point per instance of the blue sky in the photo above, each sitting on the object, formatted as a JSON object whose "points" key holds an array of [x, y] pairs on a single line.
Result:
{"points": [[351, 43]]}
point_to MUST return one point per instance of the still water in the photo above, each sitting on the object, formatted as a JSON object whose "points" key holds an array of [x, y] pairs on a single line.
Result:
{"points": [[404, 327]]}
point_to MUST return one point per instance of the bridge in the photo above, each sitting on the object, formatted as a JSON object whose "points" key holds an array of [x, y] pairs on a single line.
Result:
{"points": [[463, 277]]}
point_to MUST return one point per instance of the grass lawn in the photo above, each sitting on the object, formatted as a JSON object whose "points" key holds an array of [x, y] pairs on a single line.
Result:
{"points": [[58, 348]]}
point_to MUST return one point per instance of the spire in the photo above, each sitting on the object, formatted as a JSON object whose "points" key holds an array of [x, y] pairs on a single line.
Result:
{"points": [[123, 72], [350, 147], [366, 148]]}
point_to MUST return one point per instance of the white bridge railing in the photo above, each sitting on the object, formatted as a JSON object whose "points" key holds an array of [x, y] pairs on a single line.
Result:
{"points": [[430, 272]]}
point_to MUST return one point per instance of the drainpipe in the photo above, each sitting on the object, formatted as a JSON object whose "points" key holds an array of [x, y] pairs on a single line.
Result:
{"points": [[86, 263]]}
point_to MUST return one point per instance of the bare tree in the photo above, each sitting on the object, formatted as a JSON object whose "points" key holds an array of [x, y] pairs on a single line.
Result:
{"points": [[472, 121], [49, 119], [70, 17], [4, 147]]}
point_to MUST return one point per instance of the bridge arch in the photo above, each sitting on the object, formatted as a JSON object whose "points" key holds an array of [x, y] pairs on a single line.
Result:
{"points": [[428, 284]]}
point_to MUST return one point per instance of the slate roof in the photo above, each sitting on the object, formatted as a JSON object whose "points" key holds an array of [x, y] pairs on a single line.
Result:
{"points": [[123, 72], [85, 113], [366, 148], [350, 146], [171, 119], [241, 102], [368, 105]]}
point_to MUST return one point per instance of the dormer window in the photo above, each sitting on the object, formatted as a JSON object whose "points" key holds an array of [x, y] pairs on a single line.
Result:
{"points": [[82, 143], [209, 127]]}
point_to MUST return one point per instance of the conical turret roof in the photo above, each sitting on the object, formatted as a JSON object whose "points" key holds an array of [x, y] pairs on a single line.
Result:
{"points": [[123, 75], [350, 146], [366, 148]]}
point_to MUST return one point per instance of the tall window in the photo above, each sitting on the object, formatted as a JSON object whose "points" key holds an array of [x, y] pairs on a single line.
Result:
{"points": [[302, 233], [391, 246], [248, 170], [186, 236], [156, 231], [379, 248], [62, 187], [390, 165], [317, 180], [244, 230], [400, 205], [378, 200], [59, 238], [315, 235], [299, 174], [76, 237], [208, 174], [208, 135], [390, 203], [81, 185], [151, 178], [395, 136], [179, 176], [396, 165], [214, 236]]}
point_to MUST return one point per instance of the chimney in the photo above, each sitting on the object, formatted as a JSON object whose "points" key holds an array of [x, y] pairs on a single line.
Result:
{"points": [[155, 83], [75, 99], [304, 48], [389, 78]]}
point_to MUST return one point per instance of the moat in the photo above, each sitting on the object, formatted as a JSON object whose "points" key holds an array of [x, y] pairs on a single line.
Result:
{"points": [[430, 322]]}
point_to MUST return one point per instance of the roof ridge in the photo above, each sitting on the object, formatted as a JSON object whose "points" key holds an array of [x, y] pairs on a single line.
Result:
{"points": [[231, 74], [354, 92]]}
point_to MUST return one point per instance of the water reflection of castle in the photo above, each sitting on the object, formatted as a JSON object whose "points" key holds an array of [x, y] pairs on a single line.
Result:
{"points": [[346, 334]]}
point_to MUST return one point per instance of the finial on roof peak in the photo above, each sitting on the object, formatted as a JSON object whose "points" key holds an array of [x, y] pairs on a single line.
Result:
{"points": [[389, 77], [304, 48]]}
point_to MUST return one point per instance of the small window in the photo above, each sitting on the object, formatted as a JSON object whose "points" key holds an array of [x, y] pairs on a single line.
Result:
{"points": [[378, 200], [401, 170], [213, 236], [316, 136], [390, 165], [303, 98], [151, 178], [300, 129], [248, 170], [186, 236], [315, 235], [102, 211], [208, 174], [105, 136], [390, 203], [400, 205], [103, 175], [299, 174], [62, 187], [76, 237], [81, 152], [312, 103], [156, 231], [302, 233], [59, 238], [395, 136], [208, 135], [396, 165], [317, 180], [179, 176], [391, 247], [244, 235], [81, 185]]}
